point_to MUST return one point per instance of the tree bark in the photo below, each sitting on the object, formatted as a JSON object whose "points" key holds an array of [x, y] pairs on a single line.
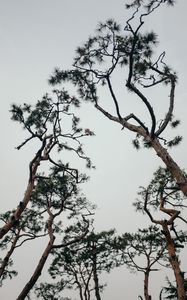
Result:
{"points": [[174, 263], [172, 166], [146, 286], [8, 255], [23, 204], [15, 217], [33, 167], [37, 272], [162, 152], [42, 261]]}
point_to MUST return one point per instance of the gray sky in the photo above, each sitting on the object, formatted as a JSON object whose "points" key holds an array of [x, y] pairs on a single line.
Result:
{"points": [[37, 36]]}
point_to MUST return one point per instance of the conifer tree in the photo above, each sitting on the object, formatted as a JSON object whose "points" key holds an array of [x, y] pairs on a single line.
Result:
{"points": [[127, 52]]}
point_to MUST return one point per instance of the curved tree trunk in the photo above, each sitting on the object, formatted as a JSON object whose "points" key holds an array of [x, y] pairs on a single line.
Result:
{"points": [[172, 166]]}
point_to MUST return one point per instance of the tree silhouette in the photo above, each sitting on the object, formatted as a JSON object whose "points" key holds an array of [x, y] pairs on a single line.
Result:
{"points": [[143, 251], [53, 185], [163, 194], [80, 265], [99, 61], [53, 126]]}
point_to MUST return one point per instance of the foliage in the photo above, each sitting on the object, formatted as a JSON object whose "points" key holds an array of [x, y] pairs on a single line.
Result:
{"points": [[79, 255], [113, 48], [143, 249], [79, 265], [162, 182], [50, 193], [162, 192], [170, 290]]}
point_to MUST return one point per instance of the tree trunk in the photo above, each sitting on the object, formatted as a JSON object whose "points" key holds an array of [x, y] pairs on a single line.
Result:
{"points": [[162, 152], [42, 261], [172, 166], [174, 263], [15, 217], [37, 272], [79, 286], [33, 167], [146, 286], [95, 277], [8, 255], [23, 204]]}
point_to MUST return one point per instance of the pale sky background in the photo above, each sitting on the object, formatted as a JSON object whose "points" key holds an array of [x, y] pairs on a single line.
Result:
{"points": [[37, 36]]}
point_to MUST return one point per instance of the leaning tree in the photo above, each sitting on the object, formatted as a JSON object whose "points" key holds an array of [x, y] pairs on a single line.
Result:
{"points": [[52, 206], [118, 58], [53, 127], [57, 212]]}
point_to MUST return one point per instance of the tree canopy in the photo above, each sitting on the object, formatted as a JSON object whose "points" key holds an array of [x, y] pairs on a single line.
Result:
{"points": [[117, 64]]}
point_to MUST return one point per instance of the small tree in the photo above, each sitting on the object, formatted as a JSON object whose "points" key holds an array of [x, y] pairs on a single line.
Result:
{"points": [[143, 252], [162, 192], [80, 265]]}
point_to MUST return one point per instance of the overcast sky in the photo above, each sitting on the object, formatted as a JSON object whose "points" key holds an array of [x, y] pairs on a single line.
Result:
{"points": [[37, 36]]}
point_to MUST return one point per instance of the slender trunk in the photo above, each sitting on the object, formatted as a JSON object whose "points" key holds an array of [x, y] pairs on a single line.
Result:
{"points": [[174, 263], [42, 261], [8, 255], [146, 286], [33, 167], [21, 207], [36, 273], [23, 204], [79, 286], [171, 165], [162, 152], [85, 294], [86, 286], [95, 277], [160, 296], [80, 293]]}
